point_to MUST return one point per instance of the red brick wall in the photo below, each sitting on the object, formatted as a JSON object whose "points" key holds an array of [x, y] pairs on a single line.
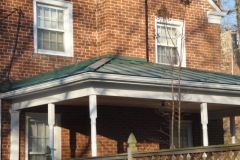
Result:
{"points": [[118, 27], [5, 126]]}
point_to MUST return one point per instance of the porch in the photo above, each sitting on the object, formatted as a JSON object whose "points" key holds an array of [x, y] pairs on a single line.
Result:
{"points": [[126, 85]]}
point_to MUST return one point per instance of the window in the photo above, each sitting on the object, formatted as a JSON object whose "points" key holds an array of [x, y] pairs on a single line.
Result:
{"points": [[37, 137], [186, 134], [53, 32], [170, 47]]}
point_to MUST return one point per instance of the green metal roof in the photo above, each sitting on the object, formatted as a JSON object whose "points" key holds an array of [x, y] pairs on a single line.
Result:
{"points": [[114, 64]]}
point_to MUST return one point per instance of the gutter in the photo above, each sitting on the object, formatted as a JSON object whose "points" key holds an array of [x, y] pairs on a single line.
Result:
{"points": [[120, 79]]}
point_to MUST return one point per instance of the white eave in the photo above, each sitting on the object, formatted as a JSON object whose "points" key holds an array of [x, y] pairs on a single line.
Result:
{"points": [[117, 79], [215, 16], [214, 5]]}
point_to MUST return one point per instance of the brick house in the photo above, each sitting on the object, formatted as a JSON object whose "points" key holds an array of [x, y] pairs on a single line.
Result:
{"points": [[85, 74]]}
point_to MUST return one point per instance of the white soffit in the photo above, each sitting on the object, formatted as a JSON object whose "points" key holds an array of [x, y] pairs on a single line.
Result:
{"points": [[214, 5], [215, 16]]}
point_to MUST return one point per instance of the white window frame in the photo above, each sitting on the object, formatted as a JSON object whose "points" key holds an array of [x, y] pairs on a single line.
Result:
{"points": [[186, 124], [68, 27], [180, 25], [57, 132]]}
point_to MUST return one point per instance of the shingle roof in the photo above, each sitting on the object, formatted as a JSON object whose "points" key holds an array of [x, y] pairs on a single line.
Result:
{"points": [[114, 64]]}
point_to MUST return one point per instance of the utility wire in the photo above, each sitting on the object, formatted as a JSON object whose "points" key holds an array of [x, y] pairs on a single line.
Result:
{"points": [[6, 85]]}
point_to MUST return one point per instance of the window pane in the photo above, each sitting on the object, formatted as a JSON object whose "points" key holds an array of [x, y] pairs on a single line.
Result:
{"points": [[60, 14], [60, 25], [53, 46], [60, 47], [174, 32], [53, 36], [40, 11], [60, 37], [45, 35], [40, 16], [163, 31], [46, 23], [54, 14], [46, 12], [46, 45], [54, 24]]}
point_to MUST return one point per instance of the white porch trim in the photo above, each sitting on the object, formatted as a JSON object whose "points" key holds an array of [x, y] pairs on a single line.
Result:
{"points": [[51, 123], [93, 116], [215, 16], [77, 79], [204, 121], [233, 129], [14, 142]]}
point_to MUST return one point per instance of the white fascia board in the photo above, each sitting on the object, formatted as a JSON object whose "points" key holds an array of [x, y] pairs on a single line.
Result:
{"points": [[125, 79], [215, 16], [214, 5]]}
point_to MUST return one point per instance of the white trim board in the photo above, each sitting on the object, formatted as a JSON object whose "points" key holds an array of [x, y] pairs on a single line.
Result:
{"points": [[123, 79], [120, 90]]}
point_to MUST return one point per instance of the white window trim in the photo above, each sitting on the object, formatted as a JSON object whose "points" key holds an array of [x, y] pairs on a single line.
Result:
{"points": [[188, 125], [68, 27], [57, 133], [181, 25]]}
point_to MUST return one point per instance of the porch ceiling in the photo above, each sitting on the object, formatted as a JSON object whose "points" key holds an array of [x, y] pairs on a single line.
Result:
{"points": [[145, 103]]}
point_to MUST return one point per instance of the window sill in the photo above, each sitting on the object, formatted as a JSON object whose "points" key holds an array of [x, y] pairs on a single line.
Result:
{"points": [[53, 53]]}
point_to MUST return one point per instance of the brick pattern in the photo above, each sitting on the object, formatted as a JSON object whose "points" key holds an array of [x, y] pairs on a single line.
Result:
{"points": [[116, 27], [5, 131]]}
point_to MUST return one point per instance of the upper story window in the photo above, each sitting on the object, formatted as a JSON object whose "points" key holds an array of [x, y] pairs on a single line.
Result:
{"points": [[53, 33], [170, 48]]}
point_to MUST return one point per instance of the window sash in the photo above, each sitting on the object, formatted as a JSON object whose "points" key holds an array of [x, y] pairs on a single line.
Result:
{"points": [[168, 36], [49, 20], [38, 136], [50, 36], [167, 55]]}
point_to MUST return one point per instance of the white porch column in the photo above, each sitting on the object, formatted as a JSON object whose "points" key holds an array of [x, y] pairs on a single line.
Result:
{"points": [[204, 120], [0, 126], [233, 129], [51, 122], [14, 148], [93, 116]]}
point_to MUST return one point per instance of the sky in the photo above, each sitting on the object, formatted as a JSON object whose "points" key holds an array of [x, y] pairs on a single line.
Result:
{"points": [[231, 18]]}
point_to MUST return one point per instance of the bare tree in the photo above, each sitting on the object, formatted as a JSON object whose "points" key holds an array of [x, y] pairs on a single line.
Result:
{"points": [[174, 58]]}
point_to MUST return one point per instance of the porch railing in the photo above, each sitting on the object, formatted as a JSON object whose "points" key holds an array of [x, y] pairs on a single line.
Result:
{"points": [[221, 152], [218, 152]]}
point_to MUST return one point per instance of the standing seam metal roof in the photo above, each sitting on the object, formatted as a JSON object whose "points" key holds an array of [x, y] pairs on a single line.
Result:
{"points": [[114, 64]]}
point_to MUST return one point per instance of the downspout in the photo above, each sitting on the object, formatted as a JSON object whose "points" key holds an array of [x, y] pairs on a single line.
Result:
{"points": [[146, 25]]}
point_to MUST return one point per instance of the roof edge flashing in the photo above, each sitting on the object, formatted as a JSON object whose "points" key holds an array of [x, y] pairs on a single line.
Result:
{"points": [[115, 56]]}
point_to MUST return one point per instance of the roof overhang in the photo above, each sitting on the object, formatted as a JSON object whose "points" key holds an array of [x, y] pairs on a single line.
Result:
{"points": [[103, 84], [213, 4]]}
